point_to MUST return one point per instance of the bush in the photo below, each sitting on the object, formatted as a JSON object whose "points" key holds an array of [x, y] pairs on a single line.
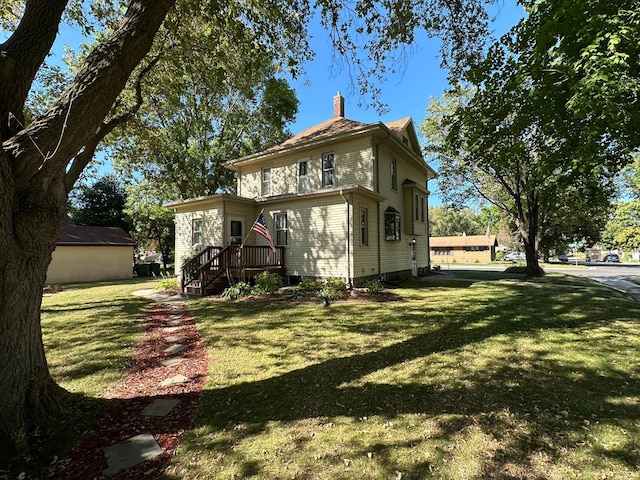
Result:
{"points": [[334, 288], [267, 284], [308, 289], [436, 268], [240, 289], [516, 269], [373, 287], [168, 284]]}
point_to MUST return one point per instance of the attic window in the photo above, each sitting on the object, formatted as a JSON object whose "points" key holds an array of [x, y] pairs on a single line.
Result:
{"points": [[405, 140], [391, 225]]}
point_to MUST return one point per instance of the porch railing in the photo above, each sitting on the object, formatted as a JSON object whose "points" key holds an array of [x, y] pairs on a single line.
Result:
{"points": [[213, 262]]}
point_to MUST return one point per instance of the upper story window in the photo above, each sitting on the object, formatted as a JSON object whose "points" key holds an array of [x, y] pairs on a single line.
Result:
{"points": [[422, 209], [394, 174], [364, 227], [391, 225], [266, 182], [328, 170], [282, 229], [303, 177], [417, 208], [197, 237]]}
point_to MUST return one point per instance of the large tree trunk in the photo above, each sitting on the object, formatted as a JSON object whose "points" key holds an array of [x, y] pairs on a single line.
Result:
{"points": [[33, 190]]}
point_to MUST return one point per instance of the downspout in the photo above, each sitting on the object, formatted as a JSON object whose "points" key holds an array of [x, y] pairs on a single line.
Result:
{"points": [[377, 161], [347, 201]]}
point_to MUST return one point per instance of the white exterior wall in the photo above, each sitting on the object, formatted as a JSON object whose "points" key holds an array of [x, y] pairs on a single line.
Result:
{"points": [[90, 263], [353, 165], [317, 245], [212, 232], [365, 257], [396, 256]]}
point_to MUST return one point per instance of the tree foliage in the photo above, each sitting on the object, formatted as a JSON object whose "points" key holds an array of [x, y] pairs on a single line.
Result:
{"points": [[530, 136], [45, 151], [100, 204], [153, 227]]}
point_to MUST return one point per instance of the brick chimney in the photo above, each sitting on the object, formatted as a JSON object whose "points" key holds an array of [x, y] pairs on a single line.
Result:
{"points": [[338, 105]]}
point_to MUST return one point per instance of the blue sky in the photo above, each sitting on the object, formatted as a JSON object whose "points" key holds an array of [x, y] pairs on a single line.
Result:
{"points": [[405, 94]]}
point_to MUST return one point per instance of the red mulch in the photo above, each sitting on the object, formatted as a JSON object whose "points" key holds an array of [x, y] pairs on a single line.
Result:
{"points": [[141, 387]]}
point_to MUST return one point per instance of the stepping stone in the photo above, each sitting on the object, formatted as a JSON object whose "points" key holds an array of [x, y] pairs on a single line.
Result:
{"points": [[174, 323], [172, 362], [176, 315], [160, 407], [175, 380], [176, 348], [171, 329], [174, 338], [130, 452]]}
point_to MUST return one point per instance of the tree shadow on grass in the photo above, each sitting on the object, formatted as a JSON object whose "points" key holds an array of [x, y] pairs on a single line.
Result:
{"points": [[543, 406]]}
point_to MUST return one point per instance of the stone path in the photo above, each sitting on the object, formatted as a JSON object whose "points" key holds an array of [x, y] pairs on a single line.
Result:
{"points": [[154, 404]]}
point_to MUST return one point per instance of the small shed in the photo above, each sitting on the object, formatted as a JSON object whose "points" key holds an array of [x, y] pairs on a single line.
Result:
{"points": [[463, 249], [88, 254]]}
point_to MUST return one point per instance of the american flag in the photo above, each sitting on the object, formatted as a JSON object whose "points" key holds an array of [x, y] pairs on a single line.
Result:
{"points": [[260, 227]]}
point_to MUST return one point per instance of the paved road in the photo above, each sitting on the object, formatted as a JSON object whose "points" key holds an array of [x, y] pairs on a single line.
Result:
{"points": [[616, 275], [589, 270]]}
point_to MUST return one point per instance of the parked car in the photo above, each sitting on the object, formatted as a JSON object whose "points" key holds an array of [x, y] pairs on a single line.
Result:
{"points": [[612, 258], [515, 256], [563, 258]]}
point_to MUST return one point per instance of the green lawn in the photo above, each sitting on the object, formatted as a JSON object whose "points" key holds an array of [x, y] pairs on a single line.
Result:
{"points": [[466, 381], [90, 333]]}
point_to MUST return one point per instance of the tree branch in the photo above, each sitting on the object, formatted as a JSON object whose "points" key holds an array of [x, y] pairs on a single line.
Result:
{"points": [[85, 156], [88, 98], [22, 55]]}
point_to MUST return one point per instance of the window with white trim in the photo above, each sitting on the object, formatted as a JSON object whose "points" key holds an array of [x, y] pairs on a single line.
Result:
{"points": [[394, 174], [303, 176], [266, 182], [282, 229], [391, 225], [328, 170], [364, 227], [197, 237]]}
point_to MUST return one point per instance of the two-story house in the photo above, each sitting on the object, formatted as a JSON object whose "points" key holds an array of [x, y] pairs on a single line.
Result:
{"points": [[342, 199]]}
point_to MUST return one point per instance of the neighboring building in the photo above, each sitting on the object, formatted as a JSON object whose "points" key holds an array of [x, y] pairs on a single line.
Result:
{"points": [[342, 199], [89, 254], [463, 249]]}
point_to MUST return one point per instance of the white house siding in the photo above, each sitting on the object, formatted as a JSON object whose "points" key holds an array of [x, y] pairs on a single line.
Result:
{"points": [[322, 253], [396, 256], [365, 257], [71, 264], [353, 165], [212, 233]]}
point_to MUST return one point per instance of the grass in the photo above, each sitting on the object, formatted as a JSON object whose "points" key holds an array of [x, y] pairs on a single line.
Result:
{"points": [[468, 381], [90, 332], [464, 380]]}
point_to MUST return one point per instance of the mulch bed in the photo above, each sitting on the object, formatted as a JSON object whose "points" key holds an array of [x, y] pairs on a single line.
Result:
{"points": [[140, 388]]}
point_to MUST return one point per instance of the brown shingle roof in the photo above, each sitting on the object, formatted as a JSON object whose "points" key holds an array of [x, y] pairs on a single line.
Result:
{"points": [[72, 234], [397, 126], [463, 241]]}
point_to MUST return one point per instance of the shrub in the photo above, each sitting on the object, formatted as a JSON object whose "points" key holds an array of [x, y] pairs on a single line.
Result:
{"points": [[308, 289], [436, 268], [267, 284], [240, 289], [168, 284], [334, 288], [374, 287], [516, 269]]}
